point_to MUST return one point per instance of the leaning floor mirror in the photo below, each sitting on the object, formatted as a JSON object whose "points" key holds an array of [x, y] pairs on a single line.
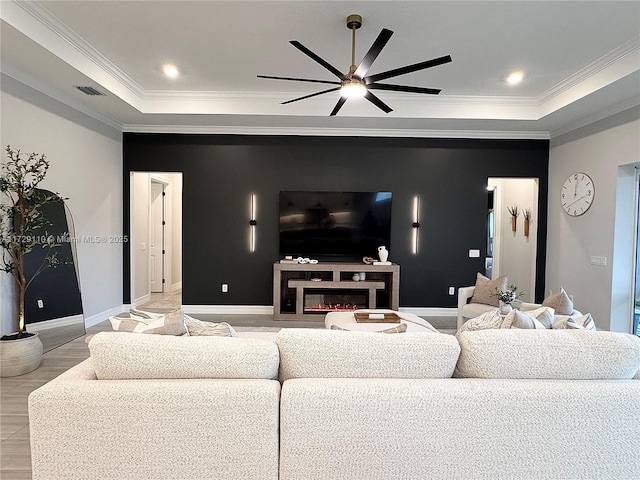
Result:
{"points": [[53, 303]]}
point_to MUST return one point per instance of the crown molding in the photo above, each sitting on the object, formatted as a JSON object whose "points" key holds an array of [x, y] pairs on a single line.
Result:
{"points": [[34, 20], [49, 91], [338, 132]]}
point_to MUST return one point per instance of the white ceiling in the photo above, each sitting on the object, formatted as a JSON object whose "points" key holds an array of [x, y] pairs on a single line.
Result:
{"points": [[581, 62]]}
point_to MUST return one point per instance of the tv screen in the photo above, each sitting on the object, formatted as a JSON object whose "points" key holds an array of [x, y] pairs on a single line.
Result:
{"points": [[350, 225]]}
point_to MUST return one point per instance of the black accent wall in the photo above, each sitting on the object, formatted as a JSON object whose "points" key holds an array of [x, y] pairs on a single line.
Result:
{"points": [[221, 171]]}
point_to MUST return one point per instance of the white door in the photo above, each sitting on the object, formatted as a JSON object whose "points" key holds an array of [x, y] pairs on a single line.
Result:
{"points": [[156, 238]]}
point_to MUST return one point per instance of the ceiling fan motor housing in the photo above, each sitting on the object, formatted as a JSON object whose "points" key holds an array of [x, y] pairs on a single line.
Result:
{"points": [[354, 21]]}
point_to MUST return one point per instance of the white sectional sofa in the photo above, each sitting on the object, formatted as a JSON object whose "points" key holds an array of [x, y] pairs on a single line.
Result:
{"points": [[325, 404]]}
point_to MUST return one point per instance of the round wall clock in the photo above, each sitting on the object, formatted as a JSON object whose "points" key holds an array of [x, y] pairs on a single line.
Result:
{"points": [[577, 194]]}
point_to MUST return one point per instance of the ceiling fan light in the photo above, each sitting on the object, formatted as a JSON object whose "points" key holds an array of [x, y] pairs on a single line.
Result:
{"points": [[353, 89]]}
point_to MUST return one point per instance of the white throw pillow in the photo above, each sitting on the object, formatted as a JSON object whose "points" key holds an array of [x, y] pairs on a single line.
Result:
{"points": [[544, 315], [165, 324], [487, 320], [518, 319], [197, 328]]}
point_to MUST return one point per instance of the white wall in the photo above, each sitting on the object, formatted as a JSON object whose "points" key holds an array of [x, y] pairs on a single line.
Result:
{"points": [[599, 150], [86, 167]]}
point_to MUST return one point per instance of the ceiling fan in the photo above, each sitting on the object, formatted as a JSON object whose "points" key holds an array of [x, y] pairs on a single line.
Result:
{"points": [[356, 83]]}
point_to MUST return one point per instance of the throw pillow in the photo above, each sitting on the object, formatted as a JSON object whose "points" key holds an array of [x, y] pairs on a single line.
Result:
{"points": [[487, 320], [519, 319], [399, 329], [560, 302], [585, 322], [486, 289], [166, 324], [198, 328], [133, 312], [543, 314]]}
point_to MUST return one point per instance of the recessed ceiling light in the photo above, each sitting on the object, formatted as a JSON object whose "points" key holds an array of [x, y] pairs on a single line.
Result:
{"points": [[170, 71], [515, 78]]}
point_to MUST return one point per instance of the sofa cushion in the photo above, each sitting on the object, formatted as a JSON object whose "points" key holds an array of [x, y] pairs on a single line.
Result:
{"points": [[121, 356], [518, 319], [560, 302], [548, 354], [311, 353], [160, 324], [473, 310], [485, 291]]}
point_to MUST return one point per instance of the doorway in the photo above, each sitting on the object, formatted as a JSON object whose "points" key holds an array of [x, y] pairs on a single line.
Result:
{"points": [[156, 239], [513, 253]]}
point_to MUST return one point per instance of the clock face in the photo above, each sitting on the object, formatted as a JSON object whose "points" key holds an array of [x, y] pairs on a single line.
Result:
{"points": [[577, 194]]}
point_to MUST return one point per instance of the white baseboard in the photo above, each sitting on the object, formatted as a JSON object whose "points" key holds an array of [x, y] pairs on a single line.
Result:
{"points": [[430, 311], [176, 286], [54, 323], [102, 316], [229, 309], [268, 310]]}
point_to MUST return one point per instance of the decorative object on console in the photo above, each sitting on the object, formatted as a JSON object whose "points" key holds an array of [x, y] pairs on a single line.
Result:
{"points": [[577, 194], [356, 277], [527, 220], [363, 276], [368, 260], [383, 254], [513, 211]]}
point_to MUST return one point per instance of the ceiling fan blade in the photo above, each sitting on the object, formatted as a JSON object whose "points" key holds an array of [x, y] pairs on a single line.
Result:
{"points": [[299, 79], [403, 88], [315, 57], [338, 106], [311, 95], [408, 69], [377, 102], [373, 53]]}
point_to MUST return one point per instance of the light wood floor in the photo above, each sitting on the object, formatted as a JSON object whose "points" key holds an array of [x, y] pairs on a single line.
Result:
{"points": [[15, 455]]}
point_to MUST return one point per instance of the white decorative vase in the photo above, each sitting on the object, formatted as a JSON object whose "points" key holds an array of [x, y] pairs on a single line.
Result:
{"points": [[20, 356], [505, 308], [383, 253]]}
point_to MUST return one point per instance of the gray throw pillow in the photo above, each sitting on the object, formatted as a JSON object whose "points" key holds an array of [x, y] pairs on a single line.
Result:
{"points": [[486, 289]]}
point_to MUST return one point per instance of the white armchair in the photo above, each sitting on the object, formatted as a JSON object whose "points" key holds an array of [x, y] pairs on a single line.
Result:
{"points": [[468, 310]]}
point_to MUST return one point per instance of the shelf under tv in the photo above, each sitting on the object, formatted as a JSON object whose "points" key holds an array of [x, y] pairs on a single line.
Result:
{"points": [[292, 284]]}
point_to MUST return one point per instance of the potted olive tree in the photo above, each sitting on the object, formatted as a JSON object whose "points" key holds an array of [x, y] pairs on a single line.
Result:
{"points": [[23, 229]]}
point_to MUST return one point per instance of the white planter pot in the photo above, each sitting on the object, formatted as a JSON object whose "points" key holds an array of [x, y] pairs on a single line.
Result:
{"points": [[20, 356]]}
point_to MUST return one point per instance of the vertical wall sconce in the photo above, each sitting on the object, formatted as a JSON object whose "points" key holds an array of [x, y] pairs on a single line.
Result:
{"points": [[252, 224], [415, 224]]}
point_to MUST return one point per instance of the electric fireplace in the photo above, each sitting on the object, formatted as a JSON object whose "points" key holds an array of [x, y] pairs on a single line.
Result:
{"points": [[322, 301]]}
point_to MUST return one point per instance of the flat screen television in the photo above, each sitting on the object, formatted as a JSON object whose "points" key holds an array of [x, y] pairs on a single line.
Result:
{"points": [[334, 225]]}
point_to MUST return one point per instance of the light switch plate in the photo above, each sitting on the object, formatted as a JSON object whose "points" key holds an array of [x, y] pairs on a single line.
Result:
{"points": [[474, 253], [600, 261]]}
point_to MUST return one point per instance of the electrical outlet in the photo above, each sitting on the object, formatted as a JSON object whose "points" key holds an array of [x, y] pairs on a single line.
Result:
{"points": [[473, 253], [452, 290], [225, 288], [40, 304]]}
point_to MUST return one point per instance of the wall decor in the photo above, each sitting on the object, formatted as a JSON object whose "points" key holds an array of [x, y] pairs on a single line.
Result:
{"points": [[513, 211], [577, 194], [527, 220]]}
